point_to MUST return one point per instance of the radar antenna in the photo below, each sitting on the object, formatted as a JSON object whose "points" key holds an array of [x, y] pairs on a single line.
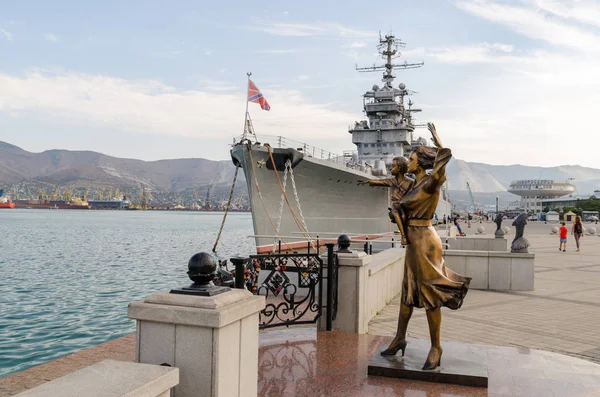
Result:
{"points": [[388, 48], [410, 117]]}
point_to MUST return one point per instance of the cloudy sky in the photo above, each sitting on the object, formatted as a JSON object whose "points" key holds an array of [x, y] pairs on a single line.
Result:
{"points": [[506, 82]]}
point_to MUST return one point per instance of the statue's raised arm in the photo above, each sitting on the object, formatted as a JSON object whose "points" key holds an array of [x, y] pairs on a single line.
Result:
{"points": [[434, 136], [442, 157]]}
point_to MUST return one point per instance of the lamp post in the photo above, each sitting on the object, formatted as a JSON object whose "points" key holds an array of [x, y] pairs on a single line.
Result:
{"points": [[496, 205]]}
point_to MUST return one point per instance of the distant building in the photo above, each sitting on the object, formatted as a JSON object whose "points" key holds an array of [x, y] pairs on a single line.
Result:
{"points": [[534, 192], [562, 202]]}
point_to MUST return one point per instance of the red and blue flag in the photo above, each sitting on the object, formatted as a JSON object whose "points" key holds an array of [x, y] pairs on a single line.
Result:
{"points": [[254, 95]]}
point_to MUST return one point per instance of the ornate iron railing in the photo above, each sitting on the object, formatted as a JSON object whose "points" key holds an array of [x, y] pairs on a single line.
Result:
{"points": [[293, 287], [290, 301]]}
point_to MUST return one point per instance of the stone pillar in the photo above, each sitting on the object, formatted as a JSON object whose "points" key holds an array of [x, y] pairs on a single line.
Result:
{"points": [[352, 293], [213, 340]]}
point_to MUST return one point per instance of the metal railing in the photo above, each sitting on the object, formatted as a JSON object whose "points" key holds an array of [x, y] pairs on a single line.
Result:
{"points": [[277, 141], [293, 288]]}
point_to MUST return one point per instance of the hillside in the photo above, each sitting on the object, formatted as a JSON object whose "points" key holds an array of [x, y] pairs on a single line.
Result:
{"points": [[81, 168], [493, 178]]}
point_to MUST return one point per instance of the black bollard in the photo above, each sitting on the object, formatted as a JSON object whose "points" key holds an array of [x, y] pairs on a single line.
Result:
{"points": [[329, 323], [202, 270], [238, 263], [344, 244]]}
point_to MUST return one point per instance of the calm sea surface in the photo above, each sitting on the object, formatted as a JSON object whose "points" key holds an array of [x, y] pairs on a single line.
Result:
{"points": [[66, 276]]}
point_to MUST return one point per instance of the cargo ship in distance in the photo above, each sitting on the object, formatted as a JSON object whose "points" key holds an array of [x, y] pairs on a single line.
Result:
{"points": [[74, 204], [325, 198], [5, 202]]}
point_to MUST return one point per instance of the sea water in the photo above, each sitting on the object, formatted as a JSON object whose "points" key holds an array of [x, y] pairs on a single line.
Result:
{"points": [[66, 276]]}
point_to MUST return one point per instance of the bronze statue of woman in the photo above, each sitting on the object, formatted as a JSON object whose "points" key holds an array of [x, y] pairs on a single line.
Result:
{"points": [[427, 282]]}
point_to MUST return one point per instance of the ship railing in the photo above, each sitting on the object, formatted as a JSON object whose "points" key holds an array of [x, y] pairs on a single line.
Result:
{"points": [[278, 141], [364, 241]]}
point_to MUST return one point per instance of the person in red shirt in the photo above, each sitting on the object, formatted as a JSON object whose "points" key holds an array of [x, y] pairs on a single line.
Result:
{"points": [[563, 238]]}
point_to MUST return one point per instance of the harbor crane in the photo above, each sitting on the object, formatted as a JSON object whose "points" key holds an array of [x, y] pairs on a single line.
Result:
{"points": [[472, 200]]}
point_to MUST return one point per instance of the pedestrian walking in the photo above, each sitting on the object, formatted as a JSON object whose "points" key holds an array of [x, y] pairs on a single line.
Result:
{"points": [[577, 230]]}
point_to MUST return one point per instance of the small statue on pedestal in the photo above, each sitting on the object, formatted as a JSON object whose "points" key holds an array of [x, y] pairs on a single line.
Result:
{"points": [[520, 243], [499, 232]]}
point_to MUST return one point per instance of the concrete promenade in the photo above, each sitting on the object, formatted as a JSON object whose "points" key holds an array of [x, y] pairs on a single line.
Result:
{"points": [[561, 315]]}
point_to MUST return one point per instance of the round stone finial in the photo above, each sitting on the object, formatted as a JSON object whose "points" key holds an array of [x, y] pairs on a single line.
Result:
{"points": [[343, 243], [554, 229], [480, 230], [592, 230], [202, 268]]}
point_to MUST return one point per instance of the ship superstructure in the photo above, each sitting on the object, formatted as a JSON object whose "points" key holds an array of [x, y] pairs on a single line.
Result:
{"points": [[295, 188], [388, 132]]}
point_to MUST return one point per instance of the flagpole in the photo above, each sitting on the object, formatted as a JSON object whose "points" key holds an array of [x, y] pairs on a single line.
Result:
{"points": [[246, 114]]}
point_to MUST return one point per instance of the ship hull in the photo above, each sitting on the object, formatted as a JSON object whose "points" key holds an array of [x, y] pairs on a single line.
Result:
{"points": [[50, 204], [331, 200], [7, 205]]}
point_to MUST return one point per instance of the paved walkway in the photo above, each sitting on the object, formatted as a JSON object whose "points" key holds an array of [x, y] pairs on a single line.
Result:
{"points": [[561, 315]]}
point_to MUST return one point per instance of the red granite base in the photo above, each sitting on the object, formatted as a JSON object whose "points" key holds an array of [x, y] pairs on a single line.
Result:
{"points": [[303, 362]]}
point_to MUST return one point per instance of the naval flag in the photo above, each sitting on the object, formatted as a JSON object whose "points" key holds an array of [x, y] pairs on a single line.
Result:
{"points": [[254, 95]]}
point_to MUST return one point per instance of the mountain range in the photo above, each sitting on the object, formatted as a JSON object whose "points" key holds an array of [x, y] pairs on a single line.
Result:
{"points": [[82, 168]]}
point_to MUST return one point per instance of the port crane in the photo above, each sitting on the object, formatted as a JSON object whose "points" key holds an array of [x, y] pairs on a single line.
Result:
{"points": [[475, 210], [56, 193]]}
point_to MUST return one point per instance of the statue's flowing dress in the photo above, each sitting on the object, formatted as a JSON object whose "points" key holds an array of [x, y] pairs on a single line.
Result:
{"points": [[427, 281]]}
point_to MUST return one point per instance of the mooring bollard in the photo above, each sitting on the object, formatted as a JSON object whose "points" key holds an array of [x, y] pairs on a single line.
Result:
{"points": [[329, 324], [238, 263]]}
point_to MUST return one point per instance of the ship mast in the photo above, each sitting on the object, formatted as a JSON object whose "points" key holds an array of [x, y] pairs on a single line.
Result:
{"points": [[388, 48]]}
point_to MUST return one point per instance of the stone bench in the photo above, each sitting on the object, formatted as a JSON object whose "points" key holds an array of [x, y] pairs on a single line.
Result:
{"points": [[494, 270], [111, 378]]}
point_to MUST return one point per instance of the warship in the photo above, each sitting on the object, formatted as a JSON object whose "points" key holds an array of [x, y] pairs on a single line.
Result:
{"points": [[325, 198]]}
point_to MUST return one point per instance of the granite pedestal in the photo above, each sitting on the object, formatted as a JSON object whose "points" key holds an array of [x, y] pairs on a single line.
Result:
{"points": [[213, 340], [458, 367]]}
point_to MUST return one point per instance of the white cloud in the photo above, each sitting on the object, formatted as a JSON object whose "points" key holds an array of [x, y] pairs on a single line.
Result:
{"points": [[501, 47], [358, 44], [530, 22], [300, 30], [50, 37], [286, 29], [207, 51], [476, 53], [303, 77], [6, 34], [580, 10], [153, 107], [518, 107]]}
